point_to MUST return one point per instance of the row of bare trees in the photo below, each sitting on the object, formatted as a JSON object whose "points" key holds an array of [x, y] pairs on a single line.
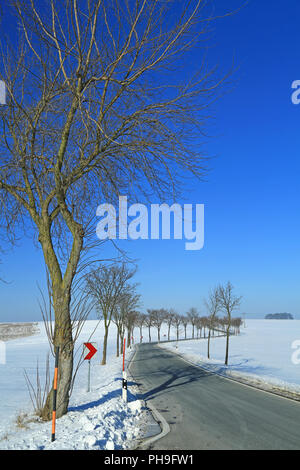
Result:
{"points": [[220, 299], [117, 301], [109, 288]]}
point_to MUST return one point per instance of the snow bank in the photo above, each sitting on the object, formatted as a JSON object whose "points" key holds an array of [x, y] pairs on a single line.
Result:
{"points": [[98, 419], [261, 355]]}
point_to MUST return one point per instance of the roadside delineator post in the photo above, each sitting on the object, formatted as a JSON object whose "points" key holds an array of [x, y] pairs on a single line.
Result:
{"points": [[124, 354], [89, 377], [124, 381], [89, 350], [54, 394]]}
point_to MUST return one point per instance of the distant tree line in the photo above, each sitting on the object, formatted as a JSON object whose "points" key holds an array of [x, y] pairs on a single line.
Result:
{"points": [[279, 316], [117, 301]]}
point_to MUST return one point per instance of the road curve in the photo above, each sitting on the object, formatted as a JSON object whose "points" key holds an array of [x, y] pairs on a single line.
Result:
{"points": [[208, 412]]}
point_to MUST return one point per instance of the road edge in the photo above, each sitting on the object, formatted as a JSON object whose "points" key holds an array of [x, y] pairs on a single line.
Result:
{"points": [[165, 428]]}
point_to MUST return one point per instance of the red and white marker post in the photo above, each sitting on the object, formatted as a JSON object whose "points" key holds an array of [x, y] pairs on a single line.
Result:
{"points": [[124, 381], [91, 350]]}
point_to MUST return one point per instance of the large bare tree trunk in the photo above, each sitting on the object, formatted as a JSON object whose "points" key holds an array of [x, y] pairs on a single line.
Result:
{"points": [[64, 341], [61, 298]]}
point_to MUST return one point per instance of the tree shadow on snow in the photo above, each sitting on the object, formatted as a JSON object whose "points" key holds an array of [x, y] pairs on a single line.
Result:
{"points": [[91, 404], [107, 397]]}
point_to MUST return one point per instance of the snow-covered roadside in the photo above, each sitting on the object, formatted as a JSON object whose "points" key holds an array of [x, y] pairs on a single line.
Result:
{"points": [[98, 419], [261, 356], [95, 420]]}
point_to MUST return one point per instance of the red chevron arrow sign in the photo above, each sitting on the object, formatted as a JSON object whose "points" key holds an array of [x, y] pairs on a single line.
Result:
{"points": [[90, 349]]}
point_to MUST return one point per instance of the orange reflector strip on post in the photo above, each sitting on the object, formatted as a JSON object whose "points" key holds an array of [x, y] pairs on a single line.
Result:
{"points": [[54, 394], [55, 378]]}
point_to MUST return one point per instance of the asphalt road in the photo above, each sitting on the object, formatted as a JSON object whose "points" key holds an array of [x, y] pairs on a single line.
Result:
{"points": [[205, 411]]}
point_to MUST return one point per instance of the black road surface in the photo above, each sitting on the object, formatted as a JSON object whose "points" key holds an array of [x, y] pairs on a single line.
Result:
{"points": [[205, 411]]}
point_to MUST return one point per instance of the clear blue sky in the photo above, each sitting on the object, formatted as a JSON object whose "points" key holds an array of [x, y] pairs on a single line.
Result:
{"points": [[251, 196]]}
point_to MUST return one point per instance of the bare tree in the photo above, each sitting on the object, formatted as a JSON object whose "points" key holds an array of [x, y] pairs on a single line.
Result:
{"points": [[106, 285], [212, 304], [140, 322], [88, 117], [128, 300], [176, 322], [169, 320], [130, 323], [185, 321], [200, 322], [149, 324], [193, 315], [236, 323], [198, 327], [205, 324], [157, 318], [118, 320], [80, 308], [228, 303]]}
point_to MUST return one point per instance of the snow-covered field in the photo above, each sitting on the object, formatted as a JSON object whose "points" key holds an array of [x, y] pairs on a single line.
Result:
{"points": [[266, 352], [98, 419]]}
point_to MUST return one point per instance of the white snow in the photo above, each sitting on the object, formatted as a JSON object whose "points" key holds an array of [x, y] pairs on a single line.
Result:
{"points": [[98, 419], [262, 353]]}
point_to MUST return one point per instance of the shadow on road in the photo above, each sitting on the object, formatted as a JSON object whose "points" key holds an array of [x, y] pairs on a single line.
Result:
{"points": [[177, 376]]}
